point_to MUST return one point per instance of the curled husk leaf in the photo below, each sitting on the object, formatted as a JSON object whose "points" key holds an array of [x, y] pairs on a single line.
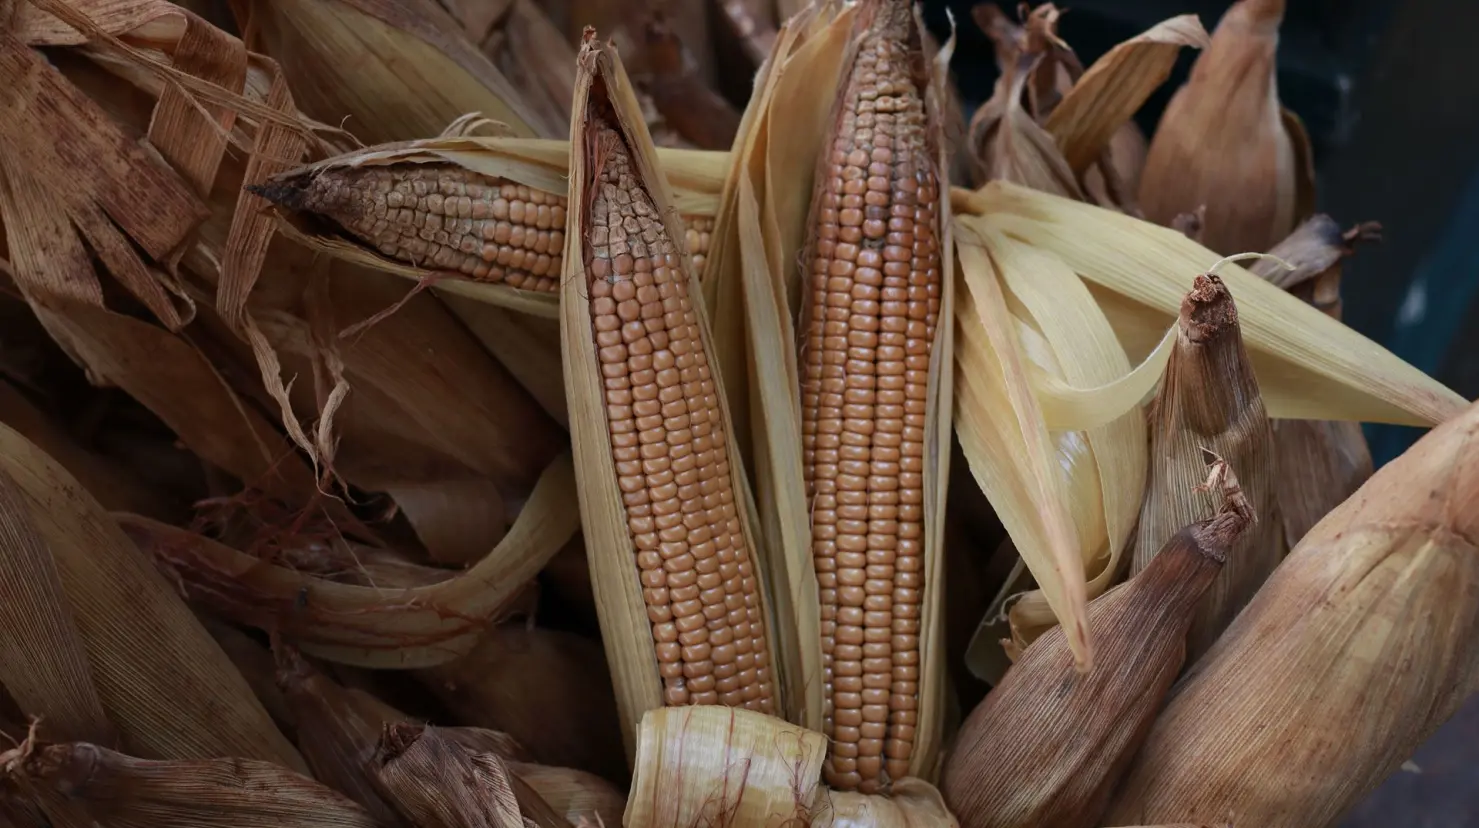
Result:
{"points": [[1209, 401], [1356, 649], [1057, 739], [1225, 143], [435, 782]]}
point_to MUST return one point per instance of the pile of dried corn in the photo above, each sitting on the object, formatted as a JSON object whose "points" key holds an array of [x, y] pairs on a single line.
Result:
{"points": [[635, 504]]}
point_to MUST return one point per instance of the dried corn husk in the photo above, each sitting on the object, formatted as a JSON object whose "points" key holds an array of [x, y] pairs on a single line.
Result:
{"points": [[751, 290], [530, 51], [160, 679], [1308, 365], [754, 24], [1057, 740], [1358, 647], [1208, 402], [579, 795], [365, 626], [103, 787], [388, 71], [605, 108], [337, 730], [1060, 332], [254, 662], [1225, 143], [670, 78], [549, 690], [435, 782], [1322, 462]]}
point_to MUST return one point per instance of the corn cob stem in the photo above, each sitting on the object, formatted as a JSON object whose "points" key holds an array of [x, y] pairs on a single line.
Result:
{"points": [[669, 445], [447, 217], [869, 328]]}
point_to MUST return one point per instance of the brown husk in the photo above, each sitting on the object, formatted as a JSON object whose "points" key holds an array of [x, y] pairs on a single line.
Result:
{"points": [[1057, 740], [1208, 401], [435, 782], [1359, 646]]}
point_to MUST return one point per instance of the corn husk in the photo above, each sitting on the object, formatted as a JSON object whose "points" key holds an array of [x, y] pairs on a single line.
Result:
{"points": [[255, 663], [145, 665], [1225, 143], [529, 50], [757, 238], [754, 23], [390, 71], [625, 627], [367, 626], [1322, 462], [580, 796], [688, 105], [435, 782], [548, 690], [1351, 655], [1308, 365], [1209, 402], [1083, 729], [97, 786]]}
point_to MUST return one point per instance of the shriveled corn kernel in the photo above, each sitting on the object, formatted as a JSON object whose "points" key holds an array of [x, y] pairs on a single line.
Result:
{"points": [[870, 325], [670, 448], [446, 217]]}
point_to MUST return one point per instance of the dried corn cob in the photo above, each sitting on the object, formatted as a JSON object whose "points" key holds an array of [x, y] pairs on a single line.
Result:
{"points": [[867, 333], [447, 217], [669, 444]]}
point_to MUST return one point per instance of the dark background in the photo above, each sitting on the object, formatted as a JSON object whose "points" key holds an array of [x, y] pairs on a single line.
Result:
{"points": [[1390, 96]]}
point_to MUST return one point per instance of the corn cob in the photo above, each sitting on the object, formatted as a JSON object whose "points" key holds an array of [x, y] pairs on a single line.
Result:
{"points": [[700, 239], [867, 333], [669, 445], [447, 217]]}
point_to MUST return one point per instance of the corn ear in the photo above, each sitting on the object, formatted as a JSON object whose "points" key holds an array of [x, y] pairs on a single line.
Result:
{"points": [[1225, 143], [1349, 657], [623, 230], [1308, 365], [1085, 728]]}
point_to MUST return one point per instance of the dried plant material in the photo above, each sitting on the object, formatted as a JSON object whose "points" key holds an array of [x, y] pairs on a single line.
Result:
{"points": [[530, 51], [688, 105], [437, 783], [714, 765], [1086, 727], [549, 690], [365, 626], [683, 612], [754, 24], [337, 730], [1209, 402], [752, 287], [1092, 113], [1353, 653], [1322, 462], [875, 402], [498, 206], [1223, 142], [527, 345], [254, 661], [1004, 437], [43, 663], [113, 789], [911, 803], [482, 740], [579, 795], [1008, 142], [1308, 365], [388, 71], [1063, 334], [161, 680]]}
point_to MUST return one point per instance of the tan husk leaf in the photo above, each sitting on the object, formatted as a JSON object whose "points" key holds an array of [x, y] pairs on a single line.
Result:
{"points": [[1104, 98], [365, 626], [435, 782], [1009, 143], [1223, 142], [530, 51], [1322, 462], [254, 661], [1357, 648], [389, 70], [163, 682], [575, 793], [548, 689], [120, 791], [1072, 733], [1209, 402]]}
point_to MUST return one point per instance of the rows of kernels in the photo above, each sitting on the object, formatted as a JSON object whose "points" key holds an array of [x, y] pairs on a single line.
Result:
{"points": [[875, 281], [669, 444], [700, 237]]}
